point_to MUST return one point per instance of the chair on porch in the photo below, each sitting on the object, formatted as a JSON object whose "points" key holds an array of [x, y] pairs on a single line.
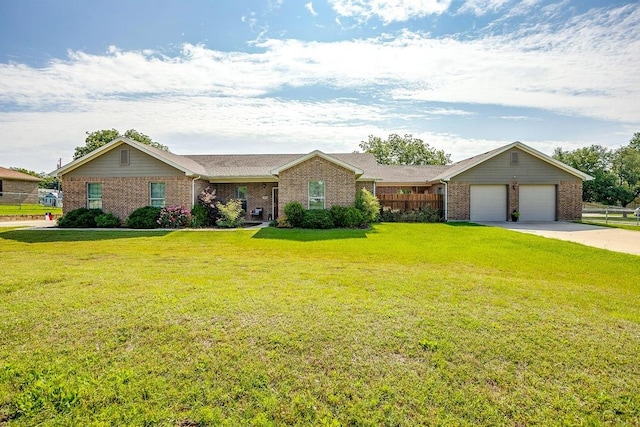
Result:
{"points": [[256, 213]]}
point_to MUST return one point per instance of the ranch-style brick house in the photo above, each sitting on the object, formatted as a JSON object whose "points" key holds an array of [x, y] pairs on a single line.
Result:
{"points": [[124, 175]]}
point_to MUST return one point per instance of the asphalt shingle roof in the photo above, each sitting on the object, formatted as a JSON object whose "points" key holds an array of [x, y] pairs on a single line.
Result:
{"points": [[261, 165], [19, 176]]}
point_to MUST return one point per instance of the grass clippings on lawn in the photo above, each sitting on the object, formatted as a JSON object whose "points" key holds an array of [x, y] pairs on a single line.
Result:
{"points": [[404, 324]]}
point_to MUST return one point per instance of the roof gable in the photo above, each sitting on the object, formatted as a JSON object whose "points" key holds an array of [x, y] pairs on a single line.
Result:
{"points": [[182, 163], [316, 153], [465, 165]]}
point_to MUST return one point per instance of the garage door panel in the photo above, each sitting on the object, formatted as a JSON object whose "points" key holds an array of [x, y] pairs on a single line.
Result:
{"points": [[537, 202], [488, 202]]}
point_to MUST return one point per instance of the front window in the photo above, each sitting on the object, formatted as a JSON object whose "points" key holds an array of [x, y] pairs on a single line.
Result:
{"points": [[157, 194], [316, 194], [241, 194], [94, 195]]}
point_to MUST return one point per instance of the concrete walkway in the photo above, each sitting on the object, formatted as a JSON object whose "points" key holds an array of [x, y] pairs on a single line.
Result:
{"points": [[28, 224], [613, 239]]}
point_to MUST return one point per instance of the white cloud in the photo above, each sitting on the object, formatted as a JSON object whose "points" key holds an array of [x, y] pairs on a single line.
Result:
{"points": [[480, 7], [309, 7], [516, 118], [389, 10], [588, 67]]}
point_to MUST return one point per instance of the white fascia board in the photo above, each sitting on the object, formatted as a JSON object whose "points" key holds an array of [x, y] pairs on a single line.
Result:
{"points": [[239, 179]]}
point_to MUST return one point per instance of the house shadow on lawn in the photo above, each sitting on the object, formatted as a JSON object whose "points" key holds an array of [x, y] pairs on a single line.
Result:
{"points": [[70, 235], [305, 235], [464, 224]]}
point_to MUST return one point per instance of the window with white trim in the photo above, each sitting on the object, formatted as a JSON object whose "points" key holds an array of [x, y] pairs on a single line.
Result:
{"points": [[94, 195], [316, 195], [241, 194], [157, 194]]}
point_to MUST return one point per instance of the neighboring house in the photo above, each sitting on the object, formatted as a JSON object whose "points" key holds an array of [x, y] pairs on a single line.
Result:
{"points": [[50, 197], [17, 187], [124, 175]]}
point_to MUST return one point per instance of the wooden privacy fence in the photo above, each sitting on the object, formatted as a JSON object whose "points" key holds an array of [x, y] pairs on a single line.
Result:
{"points": [[409, 202]]}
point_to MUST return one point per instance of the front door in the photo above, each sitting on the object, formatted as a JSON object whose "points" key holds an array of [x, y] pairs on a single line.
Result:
{"points": [[274, 202]]}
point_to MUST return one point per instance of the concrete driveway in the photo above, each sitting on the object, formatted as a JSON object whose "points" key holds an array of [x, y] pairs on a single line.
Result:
{"points": [[613, 239]]}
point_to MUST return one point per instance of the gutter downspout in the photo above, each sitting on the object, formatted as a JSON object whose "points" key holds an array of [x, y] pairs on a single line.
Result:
{"points": [[193, 190], [446, 199]]}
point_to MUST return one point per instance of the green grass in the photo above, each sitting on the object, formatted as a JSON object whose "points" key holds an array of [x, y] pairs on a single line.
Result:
{"points": [[405, 324], [8, 210]]}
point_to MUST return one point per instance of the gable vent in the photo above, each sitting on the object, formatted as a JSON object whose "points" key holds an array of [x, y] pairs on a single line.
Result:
{"points": [[514, 157], [124, 157]]}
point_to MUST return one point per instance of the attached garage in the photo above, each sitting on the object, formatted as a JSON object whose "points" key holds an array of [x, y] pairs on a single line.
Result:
{"points": [[537, 203], [488, 202]]}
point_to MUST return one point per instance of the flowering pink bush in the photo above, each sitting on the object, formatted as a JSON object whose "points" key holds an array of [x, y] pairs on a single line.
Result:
{"points": [[173, 217]]}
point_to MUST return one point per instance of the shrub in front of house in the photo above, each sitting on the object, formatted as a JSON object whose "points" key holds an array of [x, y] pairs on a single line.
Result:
{"points": [[426, 214], [317, 218], [145, 217], [338, 215], [353, 218], [368, 205], [208, 200], [231, 214], [173, 217], [80, 218], [347, 217], [282, 222], [295, 213], [108, 220], [199, 216]]}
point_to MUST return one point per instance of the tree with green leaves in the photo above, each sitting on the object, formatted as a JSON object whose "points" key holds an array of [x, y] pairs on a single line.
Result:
{"points": [[97, 139], [406, 150], [626, 166], [48, 182], [616, 173]]}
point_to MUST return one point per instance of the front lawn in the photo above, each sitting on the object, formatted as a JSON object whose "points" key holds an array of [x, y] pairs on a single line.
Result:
{"points": [[404, 324]]}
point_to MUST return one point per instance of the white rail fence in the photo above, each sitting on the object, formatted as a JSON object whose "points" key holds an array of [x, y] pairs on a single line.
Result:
{"points": [[611, 214]]}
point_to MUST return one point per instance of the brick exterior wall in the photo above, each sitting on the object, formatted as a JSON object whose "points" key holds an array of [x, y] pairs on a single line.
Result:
{"points": [[121, 196], [569, 200], [28, 190], [368, 185], [513, 197], [340, 183], [458, 199]]}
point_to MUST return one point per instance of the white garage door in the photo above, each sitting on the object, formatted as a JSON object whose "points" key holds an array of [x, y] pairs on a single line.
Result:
{"points": [[488, 202], [537, 203]]}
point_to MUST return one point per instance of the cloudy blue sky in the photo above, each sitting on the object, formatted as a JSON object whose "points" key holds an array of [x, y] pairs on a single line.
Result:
{"points": [[260, 76]]}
